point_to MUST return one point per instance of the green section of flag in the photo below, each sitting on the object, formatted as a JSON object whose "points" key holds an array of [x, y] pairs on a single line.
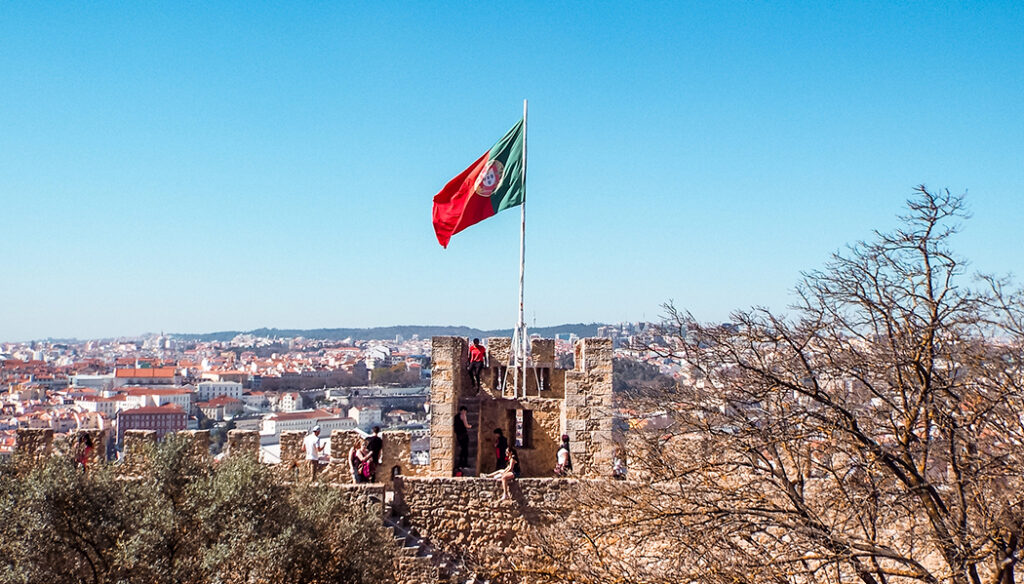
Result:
{"points": [[509, 151]]}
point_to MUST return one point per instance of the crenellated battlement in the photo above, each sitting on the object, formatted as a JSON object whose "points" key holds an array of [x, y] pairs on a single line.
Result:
{"points": [[577, 402]]}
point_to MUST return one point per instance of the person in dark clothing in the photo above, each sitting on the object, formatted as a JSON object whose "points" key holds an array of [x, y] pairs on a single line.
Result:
{"points": [[477, 353], [376, 446], [500, 446], [462, 428]]}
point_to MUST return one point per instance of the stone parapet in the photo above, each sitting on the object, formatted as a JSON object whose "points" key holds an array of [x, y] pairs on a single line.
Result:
{"points": [[588, 415], [198, 444], [542, 351], [292, 451], [138, 450], [397, 452], [32, 445], [499, 350], [243, 443]]}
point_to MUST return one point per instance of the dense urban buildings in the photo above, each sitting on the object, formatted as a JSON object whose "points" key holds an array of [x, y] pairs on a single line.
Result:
{"points": [[162, 383]]}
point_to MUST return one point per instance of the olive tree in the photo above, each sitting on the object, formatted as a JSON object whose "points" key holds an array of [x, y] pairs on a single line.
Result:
{"points": [[182, 520]]}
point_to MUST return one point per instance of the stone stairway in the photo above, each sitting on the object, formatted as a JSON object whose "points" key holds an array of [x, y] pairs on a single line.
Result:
{"points": [[419, 563], [414, 562]]}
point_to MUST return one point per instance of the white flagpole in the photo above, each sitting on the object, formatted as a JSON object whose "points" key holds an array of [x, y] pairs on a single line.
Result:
{"points": [[521, 326]]}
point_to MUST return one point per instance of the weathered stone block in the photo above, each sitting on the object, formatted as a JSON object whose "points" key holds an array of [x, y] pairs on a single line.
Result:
{"points": [[542, 351], [32, 445], [292, 451], [199, 442], [499, 350], [243, 443]]}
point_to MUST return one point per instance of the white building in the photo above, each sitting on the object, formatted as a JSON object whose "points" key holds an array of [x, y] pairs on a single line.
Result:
{"points": [[274, 424], [256, 400], [207, 390], [365, 417], [103, 405], [140, 397], [290, 402], [94, 381], [376, 356]]}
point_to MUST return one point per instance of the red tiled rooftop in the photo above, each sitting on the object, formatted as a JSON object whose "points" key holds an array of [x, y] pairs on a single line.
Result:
{"points": [[165, 409], [160, 372]]}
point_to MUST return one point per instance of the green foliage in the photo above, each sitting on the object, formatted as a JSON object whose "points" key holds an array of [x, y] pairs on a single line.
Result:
{"points": [[628, 374], [59, 525], [184, 520], [397, 374]]}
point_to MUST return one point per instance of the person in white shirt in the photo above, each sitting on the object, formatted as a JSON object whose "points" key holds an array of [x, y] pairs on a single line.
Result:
{"points": [[563, 458], [314, 452]]}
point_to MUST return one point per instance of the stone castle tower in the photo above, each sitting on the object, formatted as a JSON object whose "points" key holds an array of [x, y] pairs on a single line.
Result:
{"points": [[576, 402]]}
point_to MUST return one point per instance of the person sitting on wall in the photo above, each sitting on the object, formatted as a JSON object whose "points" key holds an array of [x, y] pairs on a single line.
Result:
{"points": [[314, 451], [500, 446], [477, 353], [509, 473], [462, 428], [563, 460]]}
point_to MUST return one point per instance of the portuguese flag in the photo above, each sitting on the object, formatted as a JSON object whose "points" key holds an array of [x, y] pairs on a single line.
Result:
{"points": [[493, 183]]}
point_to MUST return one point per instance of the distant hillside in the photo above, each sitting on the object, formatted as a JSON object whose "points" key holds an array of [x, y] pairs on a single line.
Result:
{"points": [[390, 332]]}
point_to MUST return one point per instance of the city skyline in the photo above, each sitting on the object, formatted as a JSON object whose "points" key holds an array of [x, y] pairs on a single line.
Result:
{"points": [[239, 167]]}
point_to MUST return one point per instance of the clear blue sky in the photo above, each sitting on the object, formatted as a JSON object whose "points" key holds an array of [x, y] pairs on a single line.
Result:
{"points": [[182, 168]]}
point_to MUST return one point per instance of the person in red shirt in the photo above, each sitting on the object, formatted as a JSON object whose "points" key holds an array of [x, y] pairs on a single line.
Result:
{"points": [[477, 353]]}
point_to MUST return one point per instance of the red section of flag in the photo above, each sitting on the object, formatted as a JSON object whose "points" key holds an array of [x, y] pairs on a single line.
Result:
{"points": [[458, 206]]}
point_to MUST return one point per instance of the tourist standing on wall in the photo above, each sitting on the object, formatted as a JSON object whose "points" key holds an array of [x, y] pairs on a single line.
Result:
{"points": [[563, 460], [462, 428], [376, 445], [500, 448], [314, 450], [477, 353]]}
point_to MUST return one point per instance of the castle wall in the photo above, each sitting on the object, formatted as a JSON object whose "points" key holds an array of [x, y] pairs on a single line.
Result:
{"points": [[589, 413], [448, 381], [464, 519], [543, 371]]}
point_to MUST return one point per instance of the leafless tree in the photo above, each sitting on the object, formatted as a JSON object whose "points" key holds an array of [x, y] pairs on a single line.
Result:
{"points": [[873, 433]]}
